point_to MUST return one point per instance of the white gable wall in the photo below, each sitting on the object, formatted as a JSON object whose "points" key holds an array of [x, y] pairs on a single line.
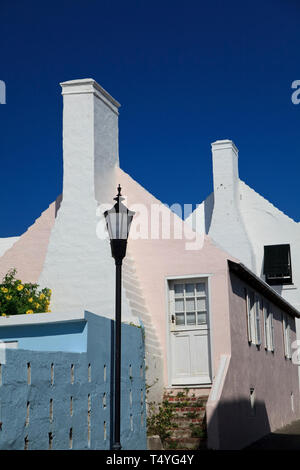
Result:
{"points": [[245, 222], [266, 225], [6, 244]]}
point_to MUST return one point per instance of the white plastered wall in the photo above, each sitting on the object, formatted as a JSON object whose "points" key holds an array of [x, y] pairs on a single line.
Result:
{"points": [[6, 244], [78, 267]]}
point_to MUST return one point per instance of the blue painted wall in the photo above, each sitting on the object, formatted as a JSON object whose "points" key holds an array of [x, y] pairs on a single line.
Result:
{"points": [[68, 400], [67, 336]]}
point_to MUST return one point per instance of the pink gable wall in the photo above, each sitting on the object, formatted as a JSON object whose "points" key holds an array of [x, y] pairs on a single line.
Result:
{"points": [[155, 260], [27, 255]]}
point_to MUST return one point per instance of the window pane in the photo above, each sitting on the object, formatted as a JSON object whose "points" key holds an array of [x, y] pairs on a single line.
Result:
{"points": [[179, 305], [178, 289], [189, 290], [200, 288], [201, 304], [190, 304], [190, 318], [179, 318], [201, 318]]}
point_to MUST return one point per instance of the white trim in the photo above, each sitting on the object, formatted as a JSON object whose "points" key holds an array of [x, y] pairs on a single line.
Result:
{"points": [[271, 328], [168, 340], [9, 344], [219, 379], [210, 329], [286, 335], [188, 276], [266, 326], [248, 315], [254, 316], [40, 318], [258, 312], [168, 330]]}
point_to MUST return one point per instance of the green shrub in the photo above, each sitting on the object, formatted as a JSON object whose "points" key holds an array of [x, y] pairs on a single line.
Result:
{"points": [[17, 298], [160, 422]]}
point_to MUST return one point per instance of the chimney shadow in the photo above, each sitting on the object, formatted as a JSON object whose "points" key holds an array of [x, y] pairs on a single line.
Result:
{"points": [[208, 211], [58, 202]]}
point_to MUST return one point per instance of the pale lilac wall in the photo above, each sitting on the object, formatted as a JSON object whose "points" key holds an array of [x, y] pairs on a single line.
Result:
{"points": [[273, 377]]}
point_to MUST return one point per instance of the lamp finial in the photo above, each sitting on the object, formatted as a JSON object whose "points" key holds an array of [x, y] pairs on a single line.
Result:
{"points": [[119, 197]]}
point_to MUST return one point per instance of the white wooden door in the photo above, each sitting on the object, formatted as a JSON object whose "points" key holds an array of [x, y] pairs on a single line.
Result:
{"points": [[189, 332]]}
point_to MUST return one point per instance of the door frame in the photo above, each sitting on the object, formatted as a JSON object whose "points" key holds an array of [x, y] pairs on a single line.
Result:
{"points": [[187, 277]]}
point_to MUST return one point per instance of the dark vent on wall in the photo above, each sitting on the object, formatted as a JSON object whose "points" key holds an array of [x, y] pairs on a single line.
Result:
{"points": [[277, 264]]}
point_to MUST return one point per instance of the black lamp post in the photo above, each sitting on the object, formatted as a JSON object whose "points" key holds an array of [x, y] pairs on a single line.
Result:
{"points": [[118, 221]]}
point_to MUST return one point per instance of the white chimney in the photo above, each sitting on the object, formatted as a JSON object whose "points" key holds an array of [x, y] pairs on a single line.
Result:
{"points": [[227, 227], [78, 266], [90, 139]]}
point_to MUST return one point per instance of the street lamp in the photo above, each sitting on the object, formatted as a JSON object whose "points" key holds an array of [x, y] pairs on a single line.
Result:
{"points": [[118, 222]]}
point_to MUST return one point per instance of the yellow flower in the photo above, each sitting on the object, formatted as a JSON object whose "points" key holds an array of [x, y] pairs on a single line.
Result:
{"points": [[8, 297], [4, 289], [29, 311], [30, 300], [37, 305], [3, 314], [20, 287], [42, 296]]}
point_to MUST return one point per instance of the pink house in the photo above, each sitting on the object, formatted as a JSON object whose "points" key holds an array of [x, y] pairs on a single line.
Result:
{"points": [[210, 324]]}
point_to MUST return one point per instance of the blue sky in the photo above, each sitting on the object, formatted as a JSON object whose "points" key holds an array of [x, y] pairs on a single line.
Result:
{"points": [[186, 73]]}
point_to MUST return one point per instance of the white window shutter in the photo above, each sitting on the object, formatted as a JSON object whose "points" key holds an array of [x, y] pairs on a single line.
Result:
{"points": [[265, 320], [257, 301], [248, 315], [271, 323]]}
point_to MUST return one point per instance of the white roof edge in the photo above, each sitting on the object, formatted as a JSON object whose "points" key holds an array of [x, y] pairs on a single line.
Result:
{"points": [[41, 318]]}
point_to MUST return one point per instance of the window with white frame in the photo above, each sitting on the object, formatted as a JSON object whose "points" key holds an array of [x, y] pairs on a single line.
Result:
{"points": [[286, 336], [189, 303], [253, 310], [268, 327]]}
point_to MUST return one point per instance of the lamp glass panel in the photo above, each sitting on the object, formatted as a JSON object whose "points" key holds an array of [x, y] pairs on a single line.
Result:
{"points": [[118, 224]]}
